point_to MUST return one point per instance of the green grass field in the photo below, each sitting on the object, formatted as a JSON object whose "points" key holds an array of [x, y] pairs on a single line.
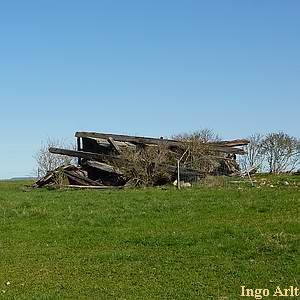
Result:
{"points": [[199, 243]]}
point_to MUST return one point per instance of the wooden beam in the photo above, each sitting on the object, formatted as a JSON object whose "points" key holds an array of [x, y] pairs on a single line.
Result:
{"points": [[79, 149], [233, 143], [93, 187], [105, 143], [222, 146], [103, 167], [226, 149], [81, 179], [114, 145], [83, 154], [128, 138]]}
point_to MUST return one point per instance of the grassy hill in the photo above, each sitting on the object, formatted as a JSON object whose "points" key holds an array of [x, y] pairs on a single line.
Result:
{"points": [[199, 243]]}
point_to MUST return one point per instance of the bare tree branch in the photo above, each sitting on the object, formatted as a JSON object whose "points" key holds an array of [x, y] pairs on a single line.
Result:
{"points": [[46, 161]]}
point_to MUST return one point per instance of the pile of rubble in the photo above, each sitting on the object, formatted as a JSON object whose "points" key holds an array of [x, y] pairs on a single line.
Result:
{"points": [[111, 160]]}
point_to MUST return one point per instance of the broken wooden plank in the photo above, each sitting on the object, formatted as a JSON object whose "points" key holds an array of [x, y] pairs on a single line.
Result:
{"points": [[128, 138], [79, 149], [103, 167], [94, 187], [114, 145], [233, 143], [104, 143], [50, 176], [84, 154], [81, 179], [44, 180], [74, 180], [226, 147]]}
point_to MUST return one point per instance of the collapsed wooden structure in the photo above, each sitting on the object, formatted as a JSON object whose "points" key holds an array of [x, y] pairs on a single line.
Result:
{"points": [[113, 160]]}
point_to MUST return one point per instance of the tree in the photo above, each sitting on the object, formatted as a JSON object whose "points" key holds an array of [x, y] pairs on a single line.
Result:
{"points": [[203, 135], [254, 156], [46, 161], [200, 156], [281, 152]]}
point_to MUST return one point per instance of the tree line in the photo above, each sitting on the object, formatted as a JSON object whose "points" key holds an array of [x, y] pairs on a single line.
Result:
{"points": [[275, 153]]}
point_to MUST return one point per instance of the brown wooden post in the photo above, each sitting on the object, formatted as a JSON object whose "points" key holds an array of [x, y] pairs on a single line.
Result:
{"points": [[79, 149]]}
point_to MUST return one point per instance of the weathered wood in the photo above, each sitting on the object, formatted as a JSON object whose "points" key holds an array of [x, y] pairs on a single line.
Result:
{"points": [[233, 143], [75, 180], [103, 167], [83, 154], [106, 144], [79, 149], [104, 158], [81, 179], [128, 138], [50, 175], [44, 180], [225, 149], [95, 187], [222, 146], [114, 145]]}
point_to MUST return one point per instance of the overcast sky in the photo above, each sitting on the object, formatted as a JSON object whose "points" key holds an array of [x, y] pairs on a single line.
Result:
{"points": [[143, 67]]}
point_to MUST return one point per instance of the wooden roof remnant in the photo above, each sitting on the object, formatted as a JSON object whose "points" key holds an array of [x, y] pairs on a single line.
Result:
{"points": [[222, 146], [106, 159]]}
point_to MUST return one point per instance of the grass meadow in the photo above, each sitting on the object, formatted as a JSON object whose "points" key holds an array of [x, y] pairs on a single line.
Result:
{"points": [[199, 243]]}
